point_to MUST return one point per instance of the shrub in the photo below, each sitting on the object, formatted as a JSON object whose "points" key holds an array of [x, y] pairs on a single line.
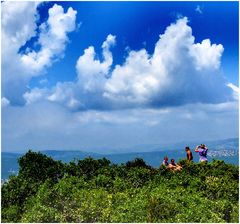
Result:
{"points": [[96, 191]]}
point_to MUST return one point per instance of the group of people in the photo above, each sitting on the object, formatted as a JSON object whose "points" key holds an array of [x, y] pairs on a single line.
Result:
{"points": [[200, 149]]}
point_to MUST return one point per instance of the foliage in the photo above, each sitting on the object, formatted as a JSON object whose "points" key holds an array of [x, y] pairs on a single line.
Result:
{"points": [[91, 190], [38, 167], [138, 162], [87, 167]]}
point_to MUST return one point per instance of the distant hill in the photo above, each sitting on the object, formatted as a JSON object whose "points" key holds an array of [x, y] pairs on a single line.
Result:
{"points": [[230, 143], [226, 150]]}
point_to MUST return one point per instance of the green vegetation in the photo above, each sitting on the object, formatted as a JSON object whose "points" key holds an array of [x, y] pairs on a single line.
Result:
{"points": [[97, 191]]}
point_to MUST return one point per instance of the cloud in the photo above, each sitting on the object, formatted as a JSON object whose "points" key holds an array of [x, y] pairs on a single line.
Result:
{"points": [[52, 39], [199, 9], [43, 124], [206, 56], [35, 95], [91, 71], [235, 89], [178, 72], [169, 94], [4, 102], [87, 91], [16, 33], [64, 93]]}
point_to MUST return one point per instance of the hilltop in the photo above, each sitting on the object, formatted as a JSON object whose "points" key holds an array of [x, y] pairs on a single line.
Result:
{"points": [[95, 190]]}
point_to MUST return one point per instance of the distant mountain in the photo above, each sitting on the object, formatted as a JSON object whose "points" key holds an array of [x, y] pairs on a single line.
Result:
{"points": [[231, 143], [226, 150], [67, 156]]}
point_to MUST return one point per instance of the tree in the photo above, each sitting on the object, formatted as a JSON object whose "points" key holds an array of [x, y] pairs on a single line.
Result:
{"points": [[36, 167], [138, 162]]}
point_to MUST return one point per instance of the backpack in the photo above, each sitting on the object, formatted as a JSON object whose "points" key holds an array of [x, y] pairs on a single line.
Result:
{"points": [[203, 153]]}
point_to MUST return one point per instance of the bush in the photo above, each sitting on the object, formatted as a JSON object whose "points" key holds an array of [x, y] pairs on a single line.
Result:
{"points": [[37, 167], [96, 191], [138, 162]]}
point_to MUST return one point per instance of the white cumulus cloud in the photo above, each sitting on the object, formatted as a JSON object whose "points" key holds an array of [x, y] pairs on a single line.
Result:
{"points": [[91, 71], [19, 25], [52, 39], [207, 56], [178, 72]]}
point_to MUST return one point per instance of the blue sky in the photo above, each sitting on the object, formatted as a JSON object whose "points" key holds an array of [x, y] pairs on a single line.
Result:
{"points": [[118, 74]]}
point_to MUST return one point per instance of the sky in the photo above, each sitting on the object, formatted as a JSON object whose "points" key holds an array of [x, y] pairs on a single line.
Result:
{"points": [[104, 76]]}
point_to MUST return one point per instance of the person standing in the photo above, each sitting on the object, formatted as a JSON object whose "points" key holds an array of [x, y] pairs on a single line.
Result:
{"points": [[202, 150], [189, 154]]}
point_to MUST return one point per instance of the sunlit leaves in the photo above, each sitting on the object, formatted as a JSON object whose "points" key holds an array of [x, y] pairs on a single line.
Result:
{"points": [[97, 191]]}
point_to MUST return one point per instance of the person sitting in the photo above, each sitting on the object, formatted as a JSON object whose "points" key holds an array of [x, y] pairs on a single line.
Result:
{"points": [[165, 161], [202, 150], [173, 166], [173, 162], [189, 154]]}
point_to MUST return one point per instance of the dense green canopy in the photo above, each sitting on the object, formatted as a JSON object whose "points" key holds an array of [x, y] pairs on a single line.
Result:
{"points": [[91, 190]]}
